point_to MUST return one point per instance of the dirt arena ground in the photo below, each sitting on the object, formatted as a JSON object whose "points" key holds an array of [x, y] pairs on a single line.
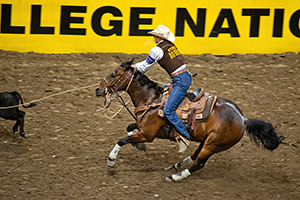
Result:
{"points": [[65, 154]]}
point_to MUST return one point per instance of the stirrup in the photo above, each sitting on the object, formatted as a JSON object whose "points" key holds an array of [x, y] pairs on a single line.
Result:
{"points": [[183, 143]]}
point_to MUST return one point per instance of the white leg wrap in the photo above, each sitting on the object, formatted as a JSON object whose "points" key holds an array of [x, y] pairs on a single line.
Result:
{"points": [[130, 133], [184, 163], [181, 175], [114, 153]]}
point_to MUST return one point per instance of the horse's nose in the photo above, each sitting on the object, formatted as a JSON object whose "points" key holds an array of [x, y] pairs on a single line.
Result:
{"points": [[97, 91], [100, 93]]}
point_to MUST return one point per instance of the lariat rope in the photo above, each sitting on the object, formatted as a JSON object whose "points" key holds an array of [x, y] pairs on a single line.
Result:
{"points": [[47, 97], [108, 97], [113, 95]]}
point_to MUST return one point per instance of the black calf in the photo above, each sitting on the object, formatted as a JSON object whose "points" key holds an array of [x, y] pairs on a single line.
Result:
{"points": [[12, 99]]}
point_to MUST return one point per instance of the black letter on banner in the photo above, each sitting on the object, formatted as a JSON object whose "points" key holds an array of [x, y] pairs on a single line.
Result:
{"points": [[36, 22], [135, 21], [232, 28], [66, 20], [294, 23], [183, 15], [278, 22], [255, 19], [117, 24], [6, 20]]}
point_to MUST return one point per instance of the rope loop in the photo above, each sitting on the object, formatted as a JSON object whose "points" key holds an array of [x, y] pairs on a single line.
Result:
{"points": [[109, 98]]}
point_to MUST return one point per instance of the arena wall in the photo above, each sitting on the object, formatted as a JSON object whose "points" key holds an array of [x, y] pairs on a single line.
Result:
{"points": [[219, 27]]}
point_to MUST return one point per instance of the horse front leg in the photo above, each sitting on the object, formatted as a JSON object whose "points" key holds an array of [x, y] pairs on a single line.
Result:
{"points": [[132, 139], [130, 128]]}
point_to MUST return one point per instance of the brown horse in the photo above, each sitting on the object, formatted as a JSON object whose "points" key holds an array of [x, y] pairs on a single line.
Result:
{"points": [[223, 128]]}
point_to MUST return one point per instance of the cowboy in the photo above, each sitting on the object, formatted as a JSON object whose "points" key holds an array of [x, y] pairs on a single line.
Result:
{"points": [[169, 58]]}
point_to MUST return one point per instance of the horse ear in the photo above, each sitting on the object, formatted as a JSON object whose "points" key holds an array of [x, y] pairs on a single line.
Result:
{"points": [[131, 61], [127, 63]]}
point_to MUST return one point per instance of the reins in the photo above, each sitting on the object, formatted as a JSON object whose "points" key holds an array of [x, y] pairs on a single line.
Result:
{"points": [[124, 104]]}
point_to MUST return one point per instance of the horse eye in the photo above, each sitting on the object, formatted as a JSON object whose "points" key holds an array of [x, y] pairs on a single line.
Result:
{"points": [[113, 76]]}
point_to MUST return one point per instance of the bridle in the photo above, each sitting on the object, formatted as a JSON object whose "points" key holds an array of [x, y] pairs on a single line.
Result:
{"points": [[111, 96], [114, 91]]}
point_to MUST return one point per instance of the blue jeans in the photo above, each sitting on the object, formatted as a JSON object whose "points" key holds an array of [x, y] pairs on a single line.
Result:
{"points": [[181, 84]]}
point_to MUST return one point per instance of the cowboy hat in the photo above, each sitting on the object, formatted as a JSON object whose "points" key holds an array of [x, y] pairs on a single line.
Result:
{"points": [[163, 32]]}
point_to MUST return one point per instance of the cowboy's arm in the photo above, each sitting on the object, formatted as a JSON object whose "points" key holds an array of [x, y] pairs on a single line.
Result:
{"points": [[154, 55]]}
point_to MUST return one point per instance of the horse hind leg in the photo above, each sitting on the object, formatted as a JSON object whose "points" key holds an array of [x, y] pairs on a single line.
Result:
{"points": [[213, 144], [197, 164], [200, 157], [187, 161]]}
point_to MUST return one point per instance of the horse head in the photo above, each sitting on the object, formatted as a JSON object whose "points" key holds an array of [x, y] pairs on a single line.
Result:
{"points": [[117, 80]]}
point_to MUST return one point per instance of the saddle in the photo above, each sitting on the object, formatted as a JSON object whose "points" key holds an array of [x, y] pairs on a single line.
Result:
{"points": [[195, 106]]}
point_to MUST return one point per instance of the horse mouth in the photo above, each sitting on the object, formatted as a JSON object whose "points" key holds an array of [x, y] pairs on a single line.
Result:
{"points": [[100, 93]]}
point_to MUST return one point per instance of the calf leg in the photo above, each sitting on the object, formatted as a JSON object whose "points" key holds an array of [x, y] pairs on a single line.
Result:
{"points": [[20, 120], [16, 126], [18, 115]]}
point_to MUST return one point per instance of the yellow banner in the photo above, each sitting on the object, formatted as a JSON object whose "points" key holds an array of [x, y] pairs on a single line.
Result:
{"points": [[219, 27]]}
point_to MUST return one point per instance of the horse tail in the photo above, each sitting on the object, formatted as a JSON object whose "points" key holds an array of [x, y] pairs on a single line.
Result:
{"points": [[263, 134], [19, 96]]}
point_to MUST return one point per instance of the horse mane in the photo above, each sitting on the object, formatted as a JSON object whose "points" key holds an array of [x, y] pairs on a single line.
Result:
{"points": [[144, 80]]}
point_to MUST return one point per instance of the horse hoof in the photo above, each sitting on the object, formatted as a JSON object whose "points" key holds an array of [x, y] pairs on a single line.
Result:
{"points": [[141, 146], [110, 163], [16, 133], [179, 176], [170, 168], [24, 135], [169, 179]]}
